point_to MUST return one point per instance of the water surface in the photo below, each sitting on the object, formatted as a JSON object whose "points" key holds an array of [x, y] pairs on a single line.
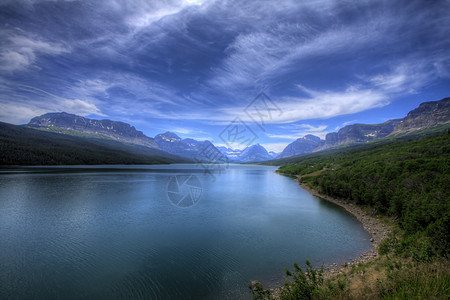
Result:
{"points": [[112, 232]]}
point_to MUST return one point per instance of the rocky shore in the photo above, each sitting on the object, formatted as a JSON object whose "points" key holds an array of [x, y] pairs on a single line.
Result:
{"points": [[376, 227]]}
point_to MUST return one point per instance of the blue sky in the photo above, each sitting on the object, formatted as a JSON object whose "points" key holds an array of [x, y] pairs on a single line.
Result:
{"points": [[194, 66]]}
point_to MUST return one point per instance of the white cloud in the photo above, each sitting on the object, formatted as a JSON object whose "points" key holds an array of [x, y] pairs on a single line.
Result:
{"points": [[296, 131], [258, 56], [371, 92], [18, 107], [320, 105], [181, 130], [14, 114], [20, 51], [405, 77], [141, 14]]}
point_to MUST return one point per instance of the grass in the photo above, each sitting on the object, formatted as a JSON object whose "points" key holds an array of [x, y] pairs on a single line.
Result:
{"points": [[386, 278]]}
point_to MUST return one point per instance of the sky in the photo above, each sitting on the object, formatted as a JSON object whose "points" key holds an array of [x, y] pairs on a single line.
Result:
{"points": [[232, 72]]}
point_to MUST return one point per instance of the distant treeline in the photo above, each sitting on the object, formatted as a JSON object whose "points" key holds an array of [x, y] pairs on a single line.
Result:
{"points": [[20, 145], [405, 179]]}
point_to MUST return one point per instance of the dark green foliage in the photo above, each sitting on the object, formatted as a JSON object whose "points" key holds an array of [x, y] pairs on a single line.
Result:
{"points": [[303, 285], [406, 179], [258, 292], [26, 146]]}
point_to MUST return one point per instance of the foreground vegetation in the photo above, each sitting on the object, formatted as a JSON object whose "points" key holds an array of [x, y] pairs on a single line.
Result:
{"points": [[386, 278], [404, 180]]}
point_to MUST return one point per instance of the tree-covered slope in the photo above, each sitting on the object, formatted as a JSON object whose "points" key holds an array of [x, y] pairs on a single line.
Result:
{"points": [[404, 178], [26, 146]]}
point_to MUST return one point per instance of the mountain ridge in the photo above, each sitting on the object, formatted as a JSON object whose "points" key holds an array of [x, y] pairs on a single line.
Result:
{"points": [[115, 130], [428, 114], [188, 147], [254, 153], [22, 145]]}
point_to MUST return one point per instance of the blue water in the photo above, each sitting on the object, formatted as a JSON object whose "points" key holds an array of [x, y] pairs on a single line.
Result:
{"points": [[120, 232]]}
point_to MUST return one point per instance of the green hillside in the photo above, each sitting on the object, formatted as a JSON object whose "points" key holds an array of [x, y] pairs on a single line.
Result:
{"points": [[407, 180], [27, 146], [402, 180]]}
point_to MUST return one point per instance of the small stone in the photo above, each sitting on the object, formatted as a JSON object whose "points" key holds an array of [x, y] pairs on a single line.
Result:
{"points": [[371, 240]]}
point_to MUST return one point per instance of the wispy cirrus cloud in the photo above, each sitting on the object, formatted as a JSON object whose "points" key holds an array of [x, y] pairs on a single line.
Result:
{"points": [[295, 131], [19, 51], [18, 107]]}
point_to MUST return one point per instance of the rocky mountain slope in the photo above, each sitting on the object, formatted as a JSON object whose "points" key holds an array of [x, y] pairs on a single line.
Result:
{"points": [[303, 145], [357, 134], [428, 114], [255, 153], [232, 154], [72, 124], [198, 150]]}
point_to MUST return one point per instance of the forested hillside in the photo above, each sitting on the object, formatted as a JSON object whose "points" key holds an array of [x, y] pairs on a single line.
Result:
{"points": [[404, 179], [26, 146]]}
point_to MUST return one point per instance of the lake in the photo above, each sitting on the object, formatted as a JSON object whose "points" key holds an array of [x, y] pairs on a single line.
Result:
{"points": [[162, 231]]}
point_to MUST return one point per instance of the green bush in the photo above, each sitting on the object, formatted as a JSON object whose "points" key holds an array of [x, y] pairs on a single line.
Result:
{"points": [[303, 285]]}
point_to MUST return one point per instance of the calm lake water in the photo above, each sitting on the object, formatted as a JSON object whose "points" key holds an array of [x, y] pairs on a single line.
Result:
{"points": [[121, 232]]}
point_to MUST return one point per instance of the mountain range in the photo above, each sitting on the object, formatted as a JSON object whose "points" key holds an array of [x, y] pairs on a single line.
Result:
{"points": [[66, 123], [254, 153], [122, 143], [22, 145], [197, 150], [169, 142], [427, 115]]}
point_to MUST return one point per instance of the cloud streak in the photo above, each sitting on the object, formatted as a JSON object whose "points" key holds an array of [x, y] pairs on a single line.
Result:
{"points": [[19, 51], [17, 108]]}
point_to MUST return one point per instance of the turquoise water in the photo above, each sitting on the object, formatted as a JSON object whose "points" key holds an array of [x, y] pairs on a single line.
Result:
{"points": [[120, 232]]}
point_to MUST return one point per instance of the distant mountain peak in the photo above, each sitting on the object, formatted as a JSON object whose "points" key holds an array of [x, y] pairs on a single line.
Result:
{"points": [[312, 137], [169, 136], [300, 146], [199, 150], [254, 153]]}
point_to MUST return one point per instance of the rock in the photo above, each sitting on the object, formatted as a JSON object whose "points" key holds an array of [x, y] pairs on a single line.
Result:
{"points": [[344, 264], [371, 240]]}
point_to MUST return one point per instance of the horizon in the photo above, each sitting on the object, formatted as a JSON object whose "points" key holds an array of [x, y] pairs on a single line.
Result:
{"points": [[194, 67], [223, 145]]}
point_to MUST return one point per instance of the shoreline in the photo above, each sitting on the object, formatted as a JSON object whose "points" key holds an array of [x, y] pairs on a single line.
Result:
{"points": [[377, 228]]}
